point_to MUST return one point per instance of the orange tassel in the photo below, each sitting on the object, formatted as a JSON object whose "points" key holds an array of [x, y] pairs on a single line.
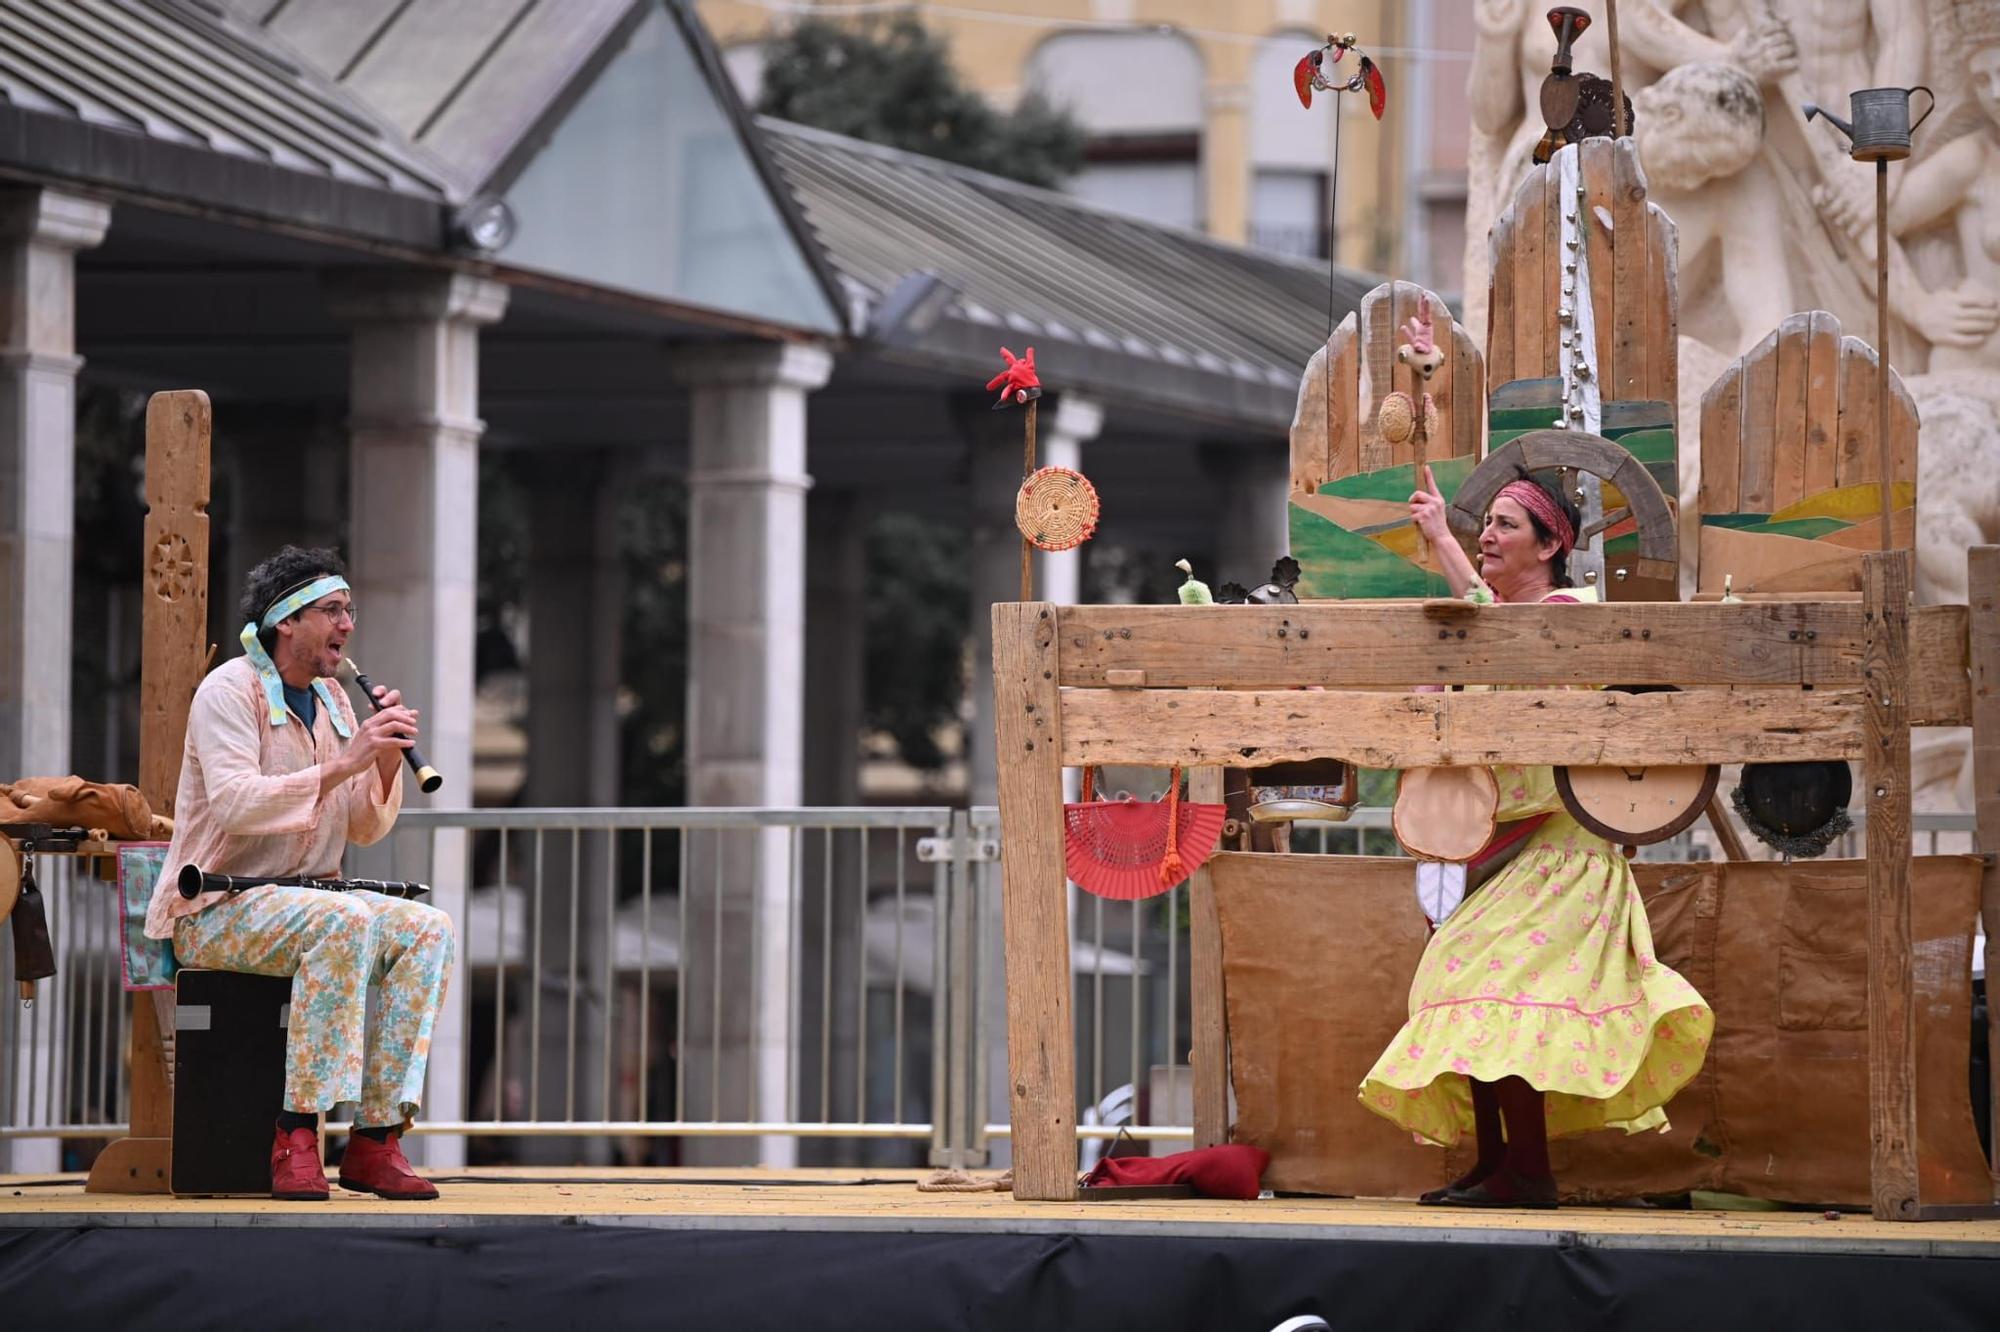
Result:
{"points": [[1171, 869]]}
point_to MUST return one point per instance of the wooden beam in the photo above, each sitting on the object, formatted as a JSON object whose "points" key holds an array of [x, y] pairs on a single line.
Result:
{"points": [[1041, 1046], [1983, 575], [1160, 727], [1399, 644], [175, 585], [174, 630], [1892, 1044], [1210, 1058]]}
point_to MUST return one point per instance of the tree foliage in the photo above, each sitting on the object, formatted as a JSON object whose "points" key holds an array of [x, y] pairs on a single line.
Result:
{"points": [[891, 81], [919, 595]]}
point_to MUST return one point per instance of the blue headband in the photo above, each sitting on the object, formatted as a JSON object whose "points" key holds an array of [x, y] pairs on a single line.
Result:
{"points": [[267, 670]]}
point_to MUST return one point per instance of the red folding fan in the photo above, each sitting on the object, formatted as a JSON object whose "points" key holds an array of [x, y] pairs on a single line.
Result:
{"points": [[1127, 848]]}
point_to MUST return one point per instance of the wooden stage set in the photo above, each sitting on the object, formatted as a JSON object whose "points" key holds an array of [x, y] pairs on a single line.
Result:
{"points": [[553, 1248]]}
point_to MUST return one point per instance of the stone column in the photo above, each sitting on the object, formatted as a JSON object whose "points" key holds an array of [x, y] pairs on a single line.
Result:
{"points": [[1063, 425], [836, 634], [1252, 483], [747, 485], [1062, 435], [40, 234], [413, 455], [1225, 160]]}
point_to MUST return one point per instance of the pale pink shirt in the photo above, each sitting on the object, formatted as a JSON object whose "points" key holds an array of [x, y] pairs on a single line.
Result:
{"points": [[249, 802]]}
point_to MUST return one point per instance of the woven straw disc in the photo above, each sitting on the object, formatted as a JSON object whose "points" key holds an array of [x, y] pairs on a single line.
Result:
{"points": [[1056, 509]]}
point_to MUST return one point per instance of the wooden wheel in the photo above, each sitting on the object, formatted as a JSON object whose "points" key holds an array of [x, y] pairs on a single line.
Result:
{"points": [[1542, 450]]}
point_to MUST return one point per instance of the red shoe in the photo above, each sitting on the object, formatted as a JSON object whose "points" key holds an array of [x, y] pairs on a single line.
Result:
{"points": [[381, 1168], [295, 1172]]}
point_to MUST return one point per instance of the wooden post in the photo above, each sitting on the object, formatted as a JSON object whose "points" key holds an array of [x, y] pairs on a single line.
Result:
{"points": [[1983, 575], [1887, 471], [1892, 1105], [1725, 831], [172, 659], [1041, 1043], [1210, 1058]]}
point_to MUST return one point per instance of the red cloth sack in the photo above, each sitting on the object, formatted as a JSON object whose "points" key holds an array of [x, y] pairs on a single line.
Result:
{"points": [[1213, 1172]]}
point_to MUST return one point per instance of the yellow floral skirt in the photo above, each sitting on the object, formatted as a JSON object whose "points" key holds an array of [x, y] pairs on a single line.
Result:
{"points": [[1546, 973]]}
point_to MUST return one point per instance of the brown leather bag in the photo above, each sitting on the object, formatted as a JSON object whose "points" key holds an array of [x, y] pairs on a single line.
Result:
{"points": [[34, 952], [119, 812]]}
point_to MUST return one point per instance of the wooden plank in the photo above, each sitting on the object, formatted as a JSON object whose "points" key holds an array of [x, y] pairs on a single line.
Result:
{"points": [[1631, 246], [1902, 431], [1857, 462], [1206, 1010], [1892, 1036], [1724, 829], [1312, 422], [1940, 667], [1500, 303], [1983, 581], [1163, 727], [1788, 414], [1552, 257], [1594, 170], [1468, 395], [1754, 460], [1531, 316], [1378, 363], [1343, 437], [172, 657], [1663, 312], [1441, 384], [1396, 644], [174, 614], [1822, 441], [1041, 1051], [1721, 429]]}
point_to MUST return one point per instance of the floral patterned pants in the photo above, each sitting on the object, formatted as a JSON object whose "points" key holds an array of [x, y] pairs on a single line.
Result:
{"points": [[334, 945]]}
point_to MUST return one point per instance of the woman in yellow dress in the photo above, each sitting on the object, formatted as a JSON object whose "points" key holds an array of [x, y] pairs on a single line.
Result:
{"points": [[1539, 1003]]}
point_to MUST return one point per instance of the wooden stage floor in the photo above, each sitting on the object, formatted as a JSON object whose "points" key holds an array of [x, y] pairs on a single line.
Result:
{"points": [[846, 1200]]}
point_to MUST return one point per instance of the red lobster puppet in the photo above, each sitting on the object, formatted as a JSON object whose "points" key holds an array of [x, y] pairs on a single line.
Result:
{"points": [[1309, 75]]}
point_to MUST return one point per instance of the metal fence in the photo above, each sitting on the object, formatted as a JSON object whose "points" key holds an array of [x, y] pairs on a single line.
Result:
{"points": [[641, 985]]}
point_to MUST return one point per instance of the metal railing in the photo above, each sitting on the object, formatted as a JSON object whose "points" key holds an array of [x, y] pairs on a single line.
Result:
{"points": [[826, 981]]}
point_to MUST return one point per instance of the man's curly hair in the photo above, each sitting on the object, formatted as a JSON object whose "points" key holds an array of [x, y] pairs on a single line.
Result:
{"points": [[290, 568]]}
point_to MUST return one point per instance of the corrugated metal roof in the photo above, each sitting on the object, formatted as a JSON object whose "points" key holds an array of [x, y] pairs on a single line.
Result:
{"points": [[468, 80], [195, 77], [1033, 264]]}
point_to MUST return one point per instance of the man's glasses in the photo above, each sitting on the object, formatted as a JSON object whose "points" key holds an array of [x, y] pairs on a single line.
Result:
{"points": [[336, 611]]}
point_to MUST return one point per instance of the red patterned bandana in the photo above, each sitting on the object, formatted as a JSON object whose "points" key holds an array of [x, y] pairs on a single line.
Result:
{"points": [[1535, 498]]}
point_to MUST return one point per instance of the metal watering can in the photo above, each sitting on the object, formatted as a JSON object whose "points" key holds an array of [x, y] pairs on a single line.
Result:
{"points": [[1881, 129]]}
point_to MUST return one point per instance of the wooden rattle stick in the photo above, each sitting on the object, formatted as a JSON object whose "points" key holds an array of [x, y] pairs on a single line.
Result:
{"points": [[1028, 470]]}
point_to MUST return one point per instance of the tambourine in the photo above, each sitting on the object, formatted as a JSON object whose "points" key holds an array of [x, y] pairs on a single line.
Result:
{"points": [[1445, 814], [1637, 806]]}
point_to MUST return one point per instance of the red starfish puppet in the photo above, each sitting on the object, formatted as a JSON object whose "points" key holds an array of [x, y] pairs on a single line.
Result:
{"points": [[1018, 383]]}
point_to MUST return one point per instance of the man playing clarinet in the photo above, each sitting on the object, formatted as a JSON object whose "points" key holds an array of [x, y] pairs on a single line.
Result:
{"points": [[277, 776]]}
